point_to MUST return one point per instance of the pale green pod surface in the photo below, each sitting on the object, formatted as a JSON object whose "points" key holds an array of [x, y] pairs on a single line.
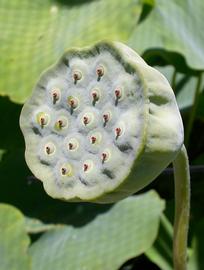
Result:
{"points": [[100, 125]]}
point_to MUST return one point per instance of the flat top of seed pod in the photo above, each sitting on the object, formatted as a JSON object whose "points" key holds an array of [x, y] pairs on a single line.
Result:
{"points": [[85, 121]]}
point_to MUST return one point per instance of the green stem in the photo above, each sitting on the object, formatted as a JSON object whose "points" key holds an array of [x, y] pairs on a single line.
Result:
{"points": [[193, 110], [182, 209]]}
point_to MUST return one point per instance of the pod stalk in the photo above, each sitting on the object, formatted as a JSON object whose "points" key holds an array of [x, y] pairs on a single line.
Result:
{"points": [[182, 209]]}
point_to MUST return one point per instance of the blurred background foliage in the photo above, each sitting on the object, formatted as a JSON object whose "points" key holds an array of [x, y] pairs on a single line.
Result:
{"points": [[135, 233]]}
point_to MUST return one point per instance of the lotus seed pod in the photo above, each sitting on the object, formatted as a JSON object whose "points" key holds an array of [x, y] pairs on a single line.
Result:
{"points": [[100, 125]]}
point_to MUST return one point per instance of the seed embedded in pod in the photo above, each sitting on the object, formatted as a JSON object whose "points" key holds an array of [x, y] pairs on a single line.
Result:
{"points": [[106, 117], [77, 75], [105, 155], [73, 102], [87, 118], [42, 119], [87, 166], [55, 95], [61, 123], [95, 96], [118, 132], [100, 72], [95, 138], [50, 148], [73, 144], [66, 170], [118, 95]]}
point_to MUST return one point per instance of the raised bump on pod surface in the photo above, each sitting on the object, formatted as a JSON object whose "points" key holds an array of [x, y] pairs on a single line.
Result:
{"points": [[76, 75], [42, 119], [89, 173], [112, 159], [126, 90], [88, 166], [73, 146], [95, 138], [73, 102], [55, 89], [88, 119], [48, 150], [106, 155], [131, 135], [97, 94], [61, 123], [66, 169], [77, 72]]}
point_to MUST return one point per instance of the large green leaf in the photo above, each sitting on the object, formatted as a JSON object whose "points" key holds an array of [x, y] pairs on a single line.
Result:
{"points": [[35, 33], [13, 240], [34, 225], [125, 231], [175, 26]]}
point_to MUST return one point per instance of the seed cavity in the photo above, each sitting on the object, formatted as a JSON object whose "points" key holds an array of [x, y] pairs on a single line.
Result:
{"points": [[106, 117], [87, 118], [105, 156], [73, 144], [61, 123], [99, 72], [70, 146], [73, 102], [87, 166], [55, 95], [118, 132], [43, 119], [77, 75], [50, 148], [66, 170], [95, 138]]}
